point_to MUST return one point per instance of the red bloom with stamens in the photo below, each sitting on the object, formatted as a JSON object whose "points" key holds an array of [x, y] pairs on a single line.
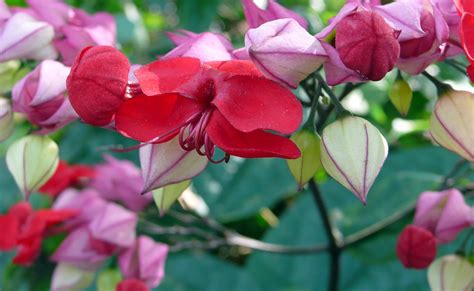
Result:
{"points": [[228, 105], [466, 9]]}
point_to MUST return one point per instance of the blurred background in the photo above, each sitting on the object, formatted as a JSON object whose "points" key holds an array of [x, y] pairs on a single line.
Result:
{"points": [[259, 198]]}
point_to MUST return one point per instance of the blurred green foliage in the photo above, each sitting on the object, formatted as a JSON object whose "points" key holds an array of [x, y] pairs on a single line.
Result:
{"points": [[237, 192]]}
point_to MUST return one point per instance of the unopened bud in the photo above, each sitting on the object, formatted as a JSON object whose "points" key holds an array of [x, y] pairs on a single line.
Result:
{"points": [[401, 96], [451, 272], [32, 160], [304, 167], [353, 152], [452, 123]]}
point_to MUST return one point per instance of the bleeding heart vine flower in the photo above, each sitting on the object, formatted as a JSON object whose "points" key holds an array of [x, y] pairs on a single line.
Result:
{"points": [[367, 36], [227, 104]]}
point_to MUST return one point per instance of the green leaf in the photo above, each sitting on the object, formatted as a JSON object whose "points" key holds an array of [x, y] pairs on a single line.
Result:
{"points": [[166, 196], [404, 176], [197, 16], [299, 226], [82, 143], [108, 280], [198, 271], [306, 166], [242, 187]]}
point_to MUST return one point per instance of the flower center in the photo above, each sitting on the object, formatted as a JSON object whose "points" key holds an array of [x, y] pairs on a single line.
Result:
{"points": [[193, 136]]}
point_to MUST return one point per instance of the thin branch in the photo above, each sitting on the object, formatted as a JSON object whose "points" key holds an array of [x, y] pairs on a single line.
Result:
{"points": [[334, 236]]}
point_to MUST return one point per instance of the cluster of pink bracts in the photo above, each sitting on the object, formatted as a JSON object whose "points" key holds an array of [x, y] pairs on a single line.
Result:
{"points": [[100, 221], [439, 218]]}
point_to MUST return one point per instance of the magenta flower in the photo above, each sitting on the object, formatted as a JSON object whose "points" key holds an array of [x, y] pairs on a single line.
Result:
{"points": [[205, 46], [23, 37], [145, 261], [4, 12], [257, 16], [453, 20], [78, 250], [88, 202], [444, 213], [40, 95], [367, 50], [284, 51], [120, 181], [420, 52], [74, 28], [114, 225]]}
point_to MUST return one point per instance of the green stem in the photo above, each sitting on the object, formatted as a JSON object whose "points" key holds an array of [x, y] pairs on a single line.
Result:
{"points": [[440, 86], [310, 124], [335, 238]]}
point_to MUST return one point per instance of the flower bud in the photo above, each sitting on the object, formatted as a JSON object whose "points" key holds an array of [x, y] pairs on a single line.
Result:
{"points": [[452, 123], [257, 15], [6, 119], [353, 152], [97, 84], [69, 278], [401, 95], [145, 261], [167, 163], [451, 272], [23, 37], [41, 96], [306, 166], [32, 160], [416, 247], [166, 196], [367, 44], [444, 213], [284, 51]]}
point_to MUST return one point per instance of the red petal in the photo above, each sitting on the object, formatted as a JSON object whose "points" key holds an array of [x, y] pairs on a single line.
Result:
{"points": [[250, 103], [132, 285], [470, 72], [10, 228], [21, 211], [144, 118], [236, 67], [416, 247], [367, 44], [167, 75], [32, 229], [59, 181], [97, 83], [467, 31], [52, 217], [255, 144], [28, 252]]}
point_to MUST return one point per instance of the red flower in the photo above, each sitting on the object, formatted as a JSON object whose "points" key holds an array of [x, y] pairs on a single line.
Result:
{"points": [[24, 229], [228, 105], [367, 44], [65, 177], [416, 247], [132, 285], [466, 9]]}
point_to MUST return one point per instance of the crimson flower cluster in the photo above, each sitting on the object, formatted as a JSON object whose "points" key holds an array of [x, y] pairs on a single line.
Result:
{"points": [[228, 104]]}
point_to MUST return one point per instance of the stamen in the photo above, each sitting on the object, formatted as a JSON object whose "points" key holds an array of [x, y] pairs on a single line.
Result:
{"points": [[193, 136], [132, 90]]}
